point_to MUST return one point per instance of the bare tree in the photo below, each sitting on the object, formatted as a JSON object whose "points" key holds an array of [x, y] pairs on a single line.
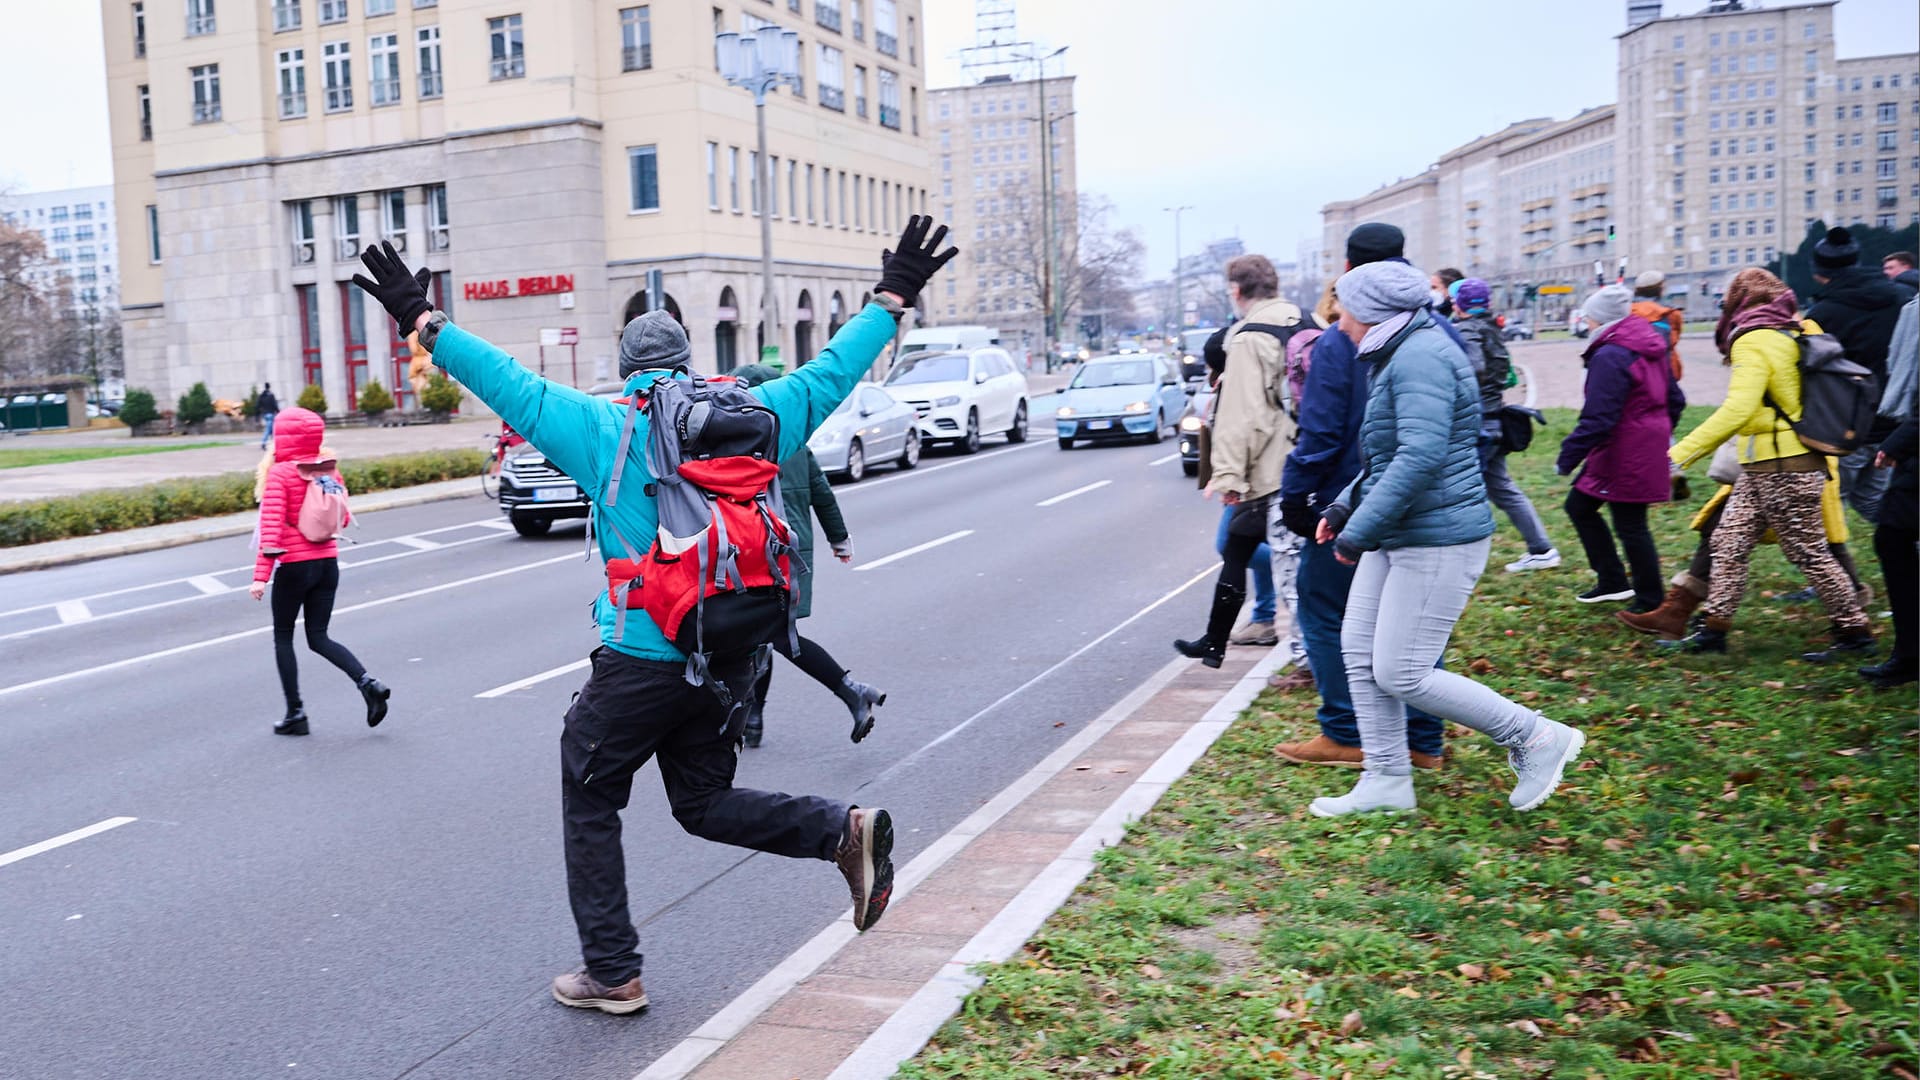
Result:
{"points": [[34, 306], [1092, 267]]}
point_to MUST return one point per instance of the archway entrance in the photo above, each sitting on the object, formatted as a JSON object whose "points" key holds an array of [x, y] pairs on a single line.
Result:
{"points": [[726, 333], [803, 329]]}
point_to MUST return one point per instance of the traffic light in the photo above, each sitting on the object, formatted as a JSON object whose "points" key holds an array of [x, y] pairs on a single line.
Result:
{"points": [[1090, 327]]}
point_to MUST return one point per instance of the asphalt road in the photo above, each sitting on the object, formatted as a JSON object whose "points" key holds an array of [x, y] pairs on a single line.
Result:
{"points": [[388, 903]]}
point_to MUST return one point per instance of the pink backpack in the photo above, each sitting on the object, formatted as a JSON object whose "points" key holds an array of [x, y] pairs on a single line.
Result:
{"points": [[323, 514]]}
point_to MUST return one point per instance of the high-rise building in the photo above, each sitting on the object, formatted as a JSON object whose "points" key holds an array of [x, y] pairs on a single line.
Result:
{"points": [[76, 224], [538, 159], [994, 167]]}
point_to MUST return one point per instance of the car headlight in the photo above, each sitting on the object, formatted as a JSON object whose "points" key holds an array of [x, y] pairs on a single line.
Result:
{"points": [[1064, 412], [827, 437], [950, 399], [1190, 423], [1136, 407]]}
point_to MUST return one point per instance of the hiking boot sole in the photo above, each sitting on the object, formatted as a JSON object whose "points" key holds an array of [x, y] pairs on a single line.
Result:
{"points": [[876, 869], [1567, 757], [861, 729], [605, 1005]]}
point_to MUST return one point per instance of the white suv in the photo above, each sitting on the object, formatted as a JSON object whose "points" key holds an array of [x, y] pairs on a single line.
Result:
{"points": [[961, 395]]}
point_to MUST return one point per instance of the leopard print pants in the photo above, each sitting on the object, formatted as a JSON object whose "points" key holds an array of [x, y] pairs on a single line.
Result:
{"points": [[1789, 504]]}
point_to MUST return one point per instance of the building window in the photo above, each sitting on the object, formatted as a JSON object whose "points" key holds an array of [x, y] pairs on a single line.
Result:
{"points": [[1811, 62], [301, 215], [860, 91], [810, 217], [146, 114], [636, 38], [643, 179], [832, 78], [393, 218], [713, 176], [199, 17], [753, 181], [889, 99], [1884, 169], [286, 15], [506, 47], [379, 7], [346, 226], [353, 319], [428, 40], [1680, 71], [291, 68], [733, 178], [439, 235], [308, 300], [383, 58], [859, 27], [913, 109], [843, 172], [336, 65], [139, 30], [206, 93], [913, 50], [153, 234], [885, 28], [332, 11], [858, 217], [826, 13], [1887, 112], [793, 191]]}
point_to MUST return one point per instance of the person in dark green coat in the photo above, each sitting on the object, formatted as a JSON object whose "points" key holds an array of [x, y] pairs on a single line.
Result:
{"points": [[806, 494]]}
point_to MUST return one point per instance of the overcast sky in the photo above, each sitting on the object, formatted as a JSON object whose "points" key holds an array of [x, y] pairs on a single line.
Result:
{"points": [[1255, 112]]}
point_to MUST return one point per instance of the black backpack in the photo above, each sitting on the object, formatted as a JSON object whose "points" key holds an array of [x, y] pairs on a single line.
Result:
{"points": [[1838, 398]]}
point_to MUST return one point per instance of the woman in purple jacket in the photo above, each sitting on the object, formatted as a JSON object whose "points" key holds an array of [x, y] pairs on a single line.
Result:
{"points": [[1626, 424]]}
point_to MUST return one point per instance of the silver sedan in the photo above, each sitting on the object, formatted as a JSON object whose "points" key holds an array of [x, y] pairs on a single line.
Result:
{"points": [[868, 428]]}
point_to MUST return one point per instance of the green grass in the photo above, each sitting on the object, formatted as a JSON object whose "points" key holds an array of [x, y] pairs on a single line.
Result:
{"points": [[1725, 886], [20, 459]]}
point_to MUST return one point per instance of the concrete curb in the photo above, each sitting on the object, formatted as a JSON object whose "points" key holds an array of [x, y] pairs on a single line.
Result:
{"points": [[174, 534]]}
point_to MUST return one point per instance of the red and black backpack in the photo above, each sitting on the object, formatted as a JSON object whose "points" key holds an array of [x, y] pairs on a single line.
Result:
{"points": [[718, 578]]}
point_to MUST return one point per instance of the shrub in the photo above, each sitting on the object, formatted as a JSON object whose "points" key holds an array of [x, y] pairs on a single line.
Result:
{"points": [[441, 396], [138, 408], [196, 405], [205, 496], [375, 400], [250, 408], [312, 397]]}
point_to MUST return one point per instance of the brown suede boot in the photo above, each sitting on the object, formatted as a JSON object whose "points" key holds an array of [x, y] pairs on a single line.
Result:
{"points": [[1669, 620]]}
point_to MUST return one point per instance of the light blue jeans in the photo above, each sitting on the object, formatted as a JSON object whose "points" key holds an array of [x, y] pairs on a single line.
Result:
{"points": [[1400, 613], [266, 420]]}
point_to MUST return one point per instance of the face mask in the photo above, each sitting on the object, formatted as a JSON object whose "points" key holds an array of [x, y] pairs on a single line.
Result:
{"points": [[1437, 297]]}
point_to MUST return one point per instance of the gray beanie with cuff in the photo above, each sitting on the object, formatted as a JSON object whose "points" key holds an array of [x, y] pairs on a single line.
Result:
{"points": [[1607, 306], [1378, 291], [652, 340]]}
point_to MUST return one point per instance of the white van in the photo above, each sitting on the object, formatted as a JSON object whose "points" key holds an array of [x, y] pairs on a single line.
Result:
{"points": [[948, 339]]}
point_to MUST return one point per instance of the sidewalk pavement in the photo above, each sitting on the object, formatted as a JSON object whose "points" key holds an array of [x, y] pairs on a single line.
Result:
{"points": [[240, 455], [849, 1006]]}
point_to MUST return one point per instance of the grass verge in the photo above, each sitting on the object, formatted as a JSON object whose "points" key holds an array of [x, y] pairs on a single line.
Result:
{"points": [[20, 459], [1725, 886], [207, 496]]}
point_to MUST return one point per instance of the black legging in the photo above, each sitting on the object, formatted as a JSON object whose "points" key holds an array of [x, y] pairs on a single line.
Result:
{"points": [[1246, 531], [308, 585], [813, 660]]}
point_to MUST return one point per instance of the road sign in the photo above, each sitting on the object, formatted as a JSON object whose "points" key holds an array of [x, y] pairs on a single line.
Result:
{"points": [[569, 335], [1555, 290]]}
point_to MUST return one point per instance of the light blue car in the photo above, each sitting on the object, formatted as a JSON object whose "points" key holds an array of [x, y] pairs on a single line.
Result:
{"points": [[1128, 396]]}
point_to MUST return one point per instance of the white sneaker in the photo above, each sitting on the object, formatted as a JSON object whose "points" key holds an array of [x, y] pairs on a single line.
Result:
{"points": [[1393, 794], [1546, 560], [1540, 763]]}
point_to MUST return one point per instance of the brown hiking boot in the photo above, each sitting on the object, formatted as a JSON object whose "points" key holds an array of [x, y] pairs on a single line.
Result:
{"points": [[1300, 678], [583, 991], [1320, 750], [1426, 761], [1669, 620], [865, 860]]}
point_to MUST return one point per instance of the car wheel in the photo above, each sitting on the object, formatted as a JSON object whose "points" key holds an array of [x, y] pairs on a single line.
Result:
{"points": [[1066, 444], [1191, 468], [530, 526], [1018, 432], [1159, 431], [910, 456], [856, 462], [970, 442]]}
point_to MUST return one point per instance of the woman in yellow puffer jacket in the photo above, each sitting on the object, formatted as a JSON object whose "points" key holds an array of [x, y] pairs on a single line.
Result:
{"points": [[1780, 480]]}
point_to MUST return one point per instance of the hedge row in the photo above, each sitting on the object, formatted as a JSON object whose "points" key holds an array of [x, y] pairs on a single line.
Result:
{"points": [[207, 496]]}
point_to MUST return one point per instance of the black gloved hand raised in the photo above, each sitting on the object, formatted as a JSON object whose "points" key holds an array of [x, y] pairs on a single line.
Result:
{"points": [[1299, 519], [399, 290], [905, 269]]}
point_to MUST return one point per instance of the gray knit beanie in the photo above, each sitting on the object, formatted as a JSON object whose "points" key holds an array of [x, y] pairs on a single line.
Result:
{"points": [[1378, 291], [1609, 305], [653, 340]]}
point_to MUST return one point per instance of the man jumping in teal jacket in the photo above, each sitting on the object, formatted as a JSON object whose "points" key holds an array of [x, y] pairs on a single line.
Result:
{"points": [[637, 704]]}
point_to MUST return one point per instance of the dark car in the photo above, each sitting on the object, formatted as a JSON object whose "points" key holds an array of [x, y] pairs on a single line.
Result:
{"points": [[1199, 406], [534, 493]]}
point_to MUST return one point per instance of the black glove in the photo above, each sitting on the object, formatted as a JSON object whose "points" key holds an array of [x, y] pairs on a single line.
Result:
{"points": [[1336, 516], [1299, 519], [401, 292], [904, 271], [1346, 551]]}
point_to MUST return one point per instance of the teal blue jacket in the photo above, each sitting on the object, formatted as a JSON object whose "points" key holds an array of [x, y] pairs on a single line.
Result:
{"points": [[579, 433]]}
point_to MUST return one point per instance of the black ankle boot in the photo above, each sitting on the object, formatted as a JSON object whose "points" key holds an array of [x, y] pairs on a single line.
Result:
{"points": [[376, 694], [1846, 644], [1212, 648], [294, 724], [1709, 637], [756, 725], [860, 700]]}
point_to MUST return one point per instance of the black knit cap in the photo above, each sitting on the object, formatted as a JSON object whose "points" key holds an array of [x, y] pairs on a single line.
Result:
{"points": [[1375, 242], [1837, 251]]}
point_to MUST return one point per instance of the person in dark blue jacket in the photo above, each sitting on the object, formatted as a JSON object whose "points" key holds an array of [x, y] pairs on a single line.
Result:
{"points": [[1325, 459]]}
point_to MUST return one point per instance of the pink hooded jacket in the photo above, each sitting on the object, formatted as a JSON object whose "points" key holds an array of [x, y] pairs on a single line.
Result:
{"points": [[296, 441]]}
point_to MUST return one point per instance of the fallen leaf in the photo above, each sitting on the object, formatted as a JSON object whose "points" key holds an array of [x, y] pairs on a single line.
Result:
{"points": [[1408, 992], [1774, 684], [1352, 1024], [1607, 914], [1480, 666], [1472, 972], [1151, 971], [1723, 1019], [1744, 776], [1529, 1027], [1614, 843]]}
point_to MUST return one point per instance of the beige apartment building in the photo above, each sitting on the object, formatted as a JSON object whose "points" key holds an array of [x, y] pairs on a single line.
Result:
{"points": [[539, 159], [990, 169]]}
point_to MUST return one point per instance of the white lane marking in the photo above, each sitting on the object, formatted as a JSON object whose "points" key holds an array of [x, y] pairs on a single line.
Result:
{"points": [[914, 550], [1163, 460], [1533, 388], [194, 646], [1095, 486], [63, 839], [1023, 687], [531, 680], [72, 611], [417, 544], [495, 523], [208, 584], [845, 490]]}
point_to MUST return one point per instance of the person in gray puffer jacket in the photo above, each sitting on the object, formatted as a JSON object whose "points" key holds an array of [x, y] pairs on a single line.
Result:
{"points": [[1417, 524]]}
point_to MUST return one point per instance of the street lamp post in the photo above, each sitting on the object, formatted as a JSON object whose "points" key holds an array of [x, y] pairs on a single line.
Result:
{"points": [[1533, 261], [761, 61], [1179, 279], [1048, 327]]}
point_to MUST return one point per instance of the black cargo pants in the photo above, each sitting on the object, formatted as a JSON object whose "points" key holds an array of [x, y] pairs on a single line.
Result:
{"points": [[632, 710]]}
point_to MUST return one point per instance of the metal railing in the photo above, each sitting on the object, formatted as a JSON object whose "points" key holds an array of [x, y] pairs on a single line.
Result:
{"points": [[828, 17], [834, 97], [886, 43], [636, 57], [429, 84], [292, 105], [199, 24], [890, 117], [385, 91], [206, 112], [509, 67], [339, 98]]}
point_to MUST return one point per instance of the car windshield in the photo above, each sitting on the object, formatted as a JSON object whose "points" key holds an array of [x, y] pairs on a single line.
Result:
{"points": [[1192, 341], [929, 368], [1125, 373]]}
